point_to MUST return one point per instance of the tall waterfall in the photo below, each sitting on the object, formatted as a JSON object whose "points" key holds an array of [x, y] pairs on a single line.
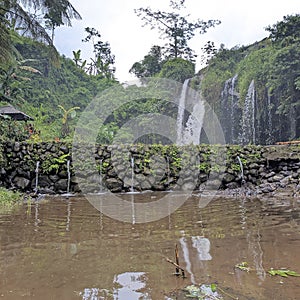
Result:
{"points": [[181, 110], [248, 119], [190, 103], [230, 111]]}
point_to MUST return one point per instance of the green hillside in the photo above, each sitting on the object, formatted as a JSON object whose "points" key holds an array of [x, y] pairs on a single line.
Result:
{"points": [[54, 90]]}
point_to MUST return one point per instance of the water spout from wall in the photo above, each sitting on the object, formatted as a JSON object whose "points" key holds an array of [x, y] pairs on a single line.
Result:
{"points": [[100, 177], [69, 177], [242, 169], [132, 175], [36, 177]]}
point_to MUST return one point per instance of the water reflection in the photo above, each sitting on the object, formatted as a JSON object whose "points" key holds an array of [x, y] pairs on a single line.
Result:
{"points": [[202, 245], [129, 284], [66, 249]]}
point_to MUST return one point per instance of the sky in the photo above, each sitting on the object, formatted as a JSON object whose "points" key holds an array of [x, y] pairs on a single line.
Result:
{"points": [[242, 23]]}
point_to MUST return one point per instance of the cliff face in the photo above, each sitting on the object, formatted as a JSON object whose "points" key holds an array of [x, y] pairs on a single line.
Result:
{"points": [[255, 91]]}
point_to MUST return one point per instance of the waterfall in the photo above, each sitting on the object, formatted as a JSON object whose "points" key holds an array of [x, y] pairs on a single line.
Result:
{"points": [[181, 109], [36, 177], [269, 119], [230, 111], [233, 110], [189, 132], [248, 118]]}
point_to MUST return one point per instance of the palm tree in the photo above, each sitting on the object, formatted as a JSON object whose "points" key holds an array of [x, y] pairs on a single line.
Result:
{"points": [[10, 79], [14, 16]]}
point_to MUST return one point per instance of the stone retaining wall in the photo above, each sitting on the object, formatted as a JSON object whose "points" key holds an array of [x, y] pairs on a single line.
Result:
{"points": [[120, 168]]}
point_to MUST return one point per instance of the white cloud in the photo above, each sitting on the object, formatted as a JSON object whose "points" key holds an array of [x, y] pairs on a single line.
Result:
{"points": [[242, 24]]}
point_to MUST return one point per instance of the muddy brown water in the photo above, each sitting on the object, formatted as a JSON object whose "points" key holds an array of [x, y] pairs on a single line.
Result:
{"points": [[64, 248]]}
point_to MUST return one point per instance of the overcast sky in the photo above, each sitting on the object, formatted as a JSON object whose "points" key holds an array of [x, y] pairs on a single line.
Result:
{"points": [[243, 23]]}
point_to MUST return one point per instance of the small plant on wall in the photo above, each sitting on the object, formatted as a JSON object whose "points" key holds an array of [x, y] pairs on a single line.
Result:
{"points": [[52, 164]]}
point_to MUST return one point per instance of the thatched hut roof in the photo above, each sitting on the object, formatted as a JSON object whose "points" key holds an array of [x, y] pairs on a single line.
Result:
{"points": [[15, 114]]}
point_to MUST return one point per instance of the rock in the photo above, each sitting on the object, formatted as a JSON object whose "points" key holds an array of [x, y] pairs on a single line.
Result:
{"points": [[228, 178], [16, 147], [21, 182], [232, 185], [114, 185], [268, 175], [267, 187], [61, 185]]}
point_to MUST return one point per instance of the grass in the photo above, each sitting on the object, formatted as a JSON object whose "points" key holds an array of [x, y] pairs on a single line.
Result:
{"points": [[8, 199]]}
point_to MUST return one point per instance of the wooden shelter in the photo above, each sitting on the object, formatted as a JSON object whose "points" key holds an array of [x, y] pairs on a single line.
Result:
{"points": [[13, 113]]}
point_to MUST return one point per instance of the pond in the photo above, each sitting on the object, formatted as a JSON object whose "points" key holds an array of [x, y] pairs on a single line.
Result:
{"points": [[64, 248]]}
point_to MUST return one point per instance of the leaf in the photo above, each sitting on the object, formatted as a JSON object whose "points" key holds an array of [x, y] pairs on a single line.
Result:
{"points": [[283, 272], [243, 266], [213, 287]]}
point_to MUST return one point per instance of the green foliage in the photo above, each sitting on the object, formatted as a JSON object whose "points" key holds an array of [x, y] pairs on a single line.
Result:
{"points": [[203, 292], [175, 28], [221, 67], [11, 130], [286, 31], [283, 273], [59, 12], [65, 85], [150, 65], [51, 165], [273, 64], [102, 62], [66, 115], [244, 266], [177, 69], [8, 198]]}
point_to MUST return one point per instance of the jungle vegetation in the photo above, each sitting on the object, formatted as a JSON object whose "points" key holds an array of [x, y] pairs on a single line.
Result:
{"points": [[55, 89]]}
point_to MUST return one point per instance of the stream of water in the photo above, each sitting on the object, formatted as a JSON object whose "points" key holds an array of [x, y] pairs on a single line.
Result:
{"points": [[63, 248]]}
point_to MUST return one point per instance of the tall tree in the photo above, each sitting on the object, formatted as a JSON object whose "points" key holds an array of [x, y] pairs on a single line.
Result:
{"points": [[286, 31], [175, 28], [150, 65], [58, 13], [17, 15], [10, 78], [103, 61]]}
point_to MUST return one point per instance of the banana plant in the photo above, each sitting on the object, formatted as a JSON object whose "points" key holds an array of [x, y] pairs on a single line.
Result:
{"points": [[78, 60], [66, 115]]}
